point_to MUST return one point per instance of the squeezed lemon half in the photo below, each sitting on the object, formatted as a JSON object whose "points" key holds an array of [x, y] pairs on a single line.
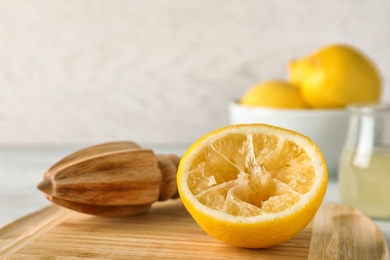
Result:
{"points": [[253, 185]]}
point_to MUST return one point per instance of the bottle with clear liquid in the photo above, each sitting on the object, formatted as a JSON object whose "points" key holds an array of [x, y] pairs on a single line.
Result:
{"points": [[364, 172]]}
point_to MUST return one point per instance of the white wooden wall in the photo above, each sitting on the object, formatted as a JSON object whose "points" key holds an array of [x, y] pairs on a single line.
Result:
{"points": [[159, 70]]}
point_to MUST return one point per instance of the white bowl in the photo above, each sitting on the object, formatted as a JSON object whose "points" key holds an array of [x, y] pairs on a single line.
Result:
{"points": [[326, 127]]}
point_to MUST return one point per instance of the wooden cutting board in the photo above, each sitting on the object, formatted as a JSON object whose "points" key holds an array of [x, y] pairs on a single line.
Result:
{"points": [[169, 232]]}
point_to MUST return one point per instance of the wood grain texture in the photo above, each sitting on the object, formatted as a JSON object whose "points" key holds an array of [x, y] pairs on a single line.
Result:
{"points": [[348, 234], [113, 179], [169, 232], [158, 71]]}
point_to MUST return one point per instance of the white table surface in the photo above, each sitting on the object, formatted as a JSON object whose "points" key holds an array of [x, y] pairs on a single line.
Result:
{"points": [[21, 169]]}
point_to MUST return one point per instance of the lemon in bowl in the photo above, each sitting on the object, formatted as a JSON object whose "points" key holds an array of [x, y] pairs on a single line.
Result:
{"points": [[273, 93], [336, 76]]}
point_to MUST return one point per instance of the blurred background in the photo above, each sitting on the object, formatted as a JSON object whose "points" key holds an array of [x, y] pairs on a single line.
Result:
{"points": [[90, 71]]}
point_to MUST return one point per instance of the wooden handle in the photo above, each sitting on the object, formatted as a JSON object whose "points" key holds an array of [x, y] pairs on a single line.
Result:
{"points": [[168, 165]]}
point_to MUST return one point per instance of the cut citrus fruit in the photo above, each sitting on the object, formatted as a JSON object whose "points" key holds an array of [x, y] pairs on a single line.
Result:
{"points": [[252, 185]]}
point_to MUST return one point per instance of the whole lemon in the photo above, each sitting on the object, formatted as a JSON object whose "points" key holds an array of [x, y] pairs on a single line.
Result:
{"points": [[275, 94], [336, 76]]}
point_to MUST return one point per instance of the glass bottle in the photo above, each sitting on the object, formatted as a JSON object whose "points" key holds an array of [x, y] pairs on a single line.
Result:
{"points": [[364, 170]]}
